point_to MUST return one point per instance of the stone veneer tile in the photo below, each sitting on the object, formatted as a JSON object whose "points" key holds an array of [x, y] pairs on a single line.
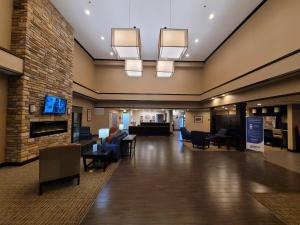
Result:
{"points": [[45, 40]]}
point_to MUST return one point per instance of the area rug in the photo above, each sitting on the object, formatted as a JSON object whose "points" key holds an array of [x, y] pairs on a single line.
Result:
{"points": [[212, 148], [62, 204], [285, 206]]}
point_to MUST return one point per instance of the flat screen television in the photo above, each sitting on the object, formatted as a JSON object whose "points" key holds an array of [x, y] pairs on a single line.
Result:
{"points": [[54, 105]]}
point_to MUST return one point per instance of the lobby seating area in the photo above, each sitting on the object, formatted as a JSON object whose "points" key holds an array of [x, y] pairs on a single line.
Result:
{"points": [[149, 112]]}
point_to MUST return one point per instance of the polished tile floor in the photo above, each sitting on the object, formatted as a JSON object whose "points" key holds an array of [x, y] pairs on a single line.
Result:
{"points": [[167, 184]]}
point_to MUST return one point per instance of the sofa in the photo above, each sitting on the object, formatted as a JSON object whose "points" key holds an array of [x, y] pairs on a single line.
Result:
{"points": [[59, 162], [185, 134], [115, 145], [200, 139], [85, 133]]}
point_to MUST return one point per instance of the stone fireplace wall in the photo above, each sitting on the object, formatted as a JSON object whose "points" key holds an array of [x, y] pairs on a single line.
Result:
{"points": [[45, 40]]}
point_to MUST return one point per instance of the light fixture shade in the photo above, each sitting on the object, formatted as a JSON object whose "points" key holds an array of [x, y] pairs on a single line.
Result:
{"points": [[121, 126], [103, 133], [276, 109], [126, 43], [254, 111], [134, 67], [173, 43], [164, 68]]}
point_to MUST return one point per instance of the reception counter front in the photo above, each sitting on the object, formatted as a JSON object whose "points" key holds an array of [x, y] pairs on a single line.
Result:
{"points": [[151, 129]]}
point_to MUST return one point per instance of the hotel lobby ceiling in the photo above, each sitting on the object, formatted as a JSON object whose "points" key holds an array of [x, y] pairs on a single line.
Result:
{"points": [[209, 22]]}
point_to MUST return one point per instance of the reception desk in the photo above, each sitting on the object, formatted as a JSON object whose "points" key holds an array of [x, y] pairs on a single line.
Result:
{"points": [[151, 129]]}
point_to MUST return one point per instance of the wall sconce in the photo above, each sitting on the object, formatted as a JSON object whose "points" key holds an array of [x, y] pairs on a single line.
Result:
{"points": [[264, 110], [254, 111], [276, 110], [69, 111], [32, 108]]}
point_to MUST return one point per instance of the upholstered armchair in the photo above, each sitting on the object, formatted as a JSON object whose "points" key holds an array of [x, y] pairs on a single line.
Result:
{"points": [[200, 139], [58, 162], [85, 133], [185, 134]]}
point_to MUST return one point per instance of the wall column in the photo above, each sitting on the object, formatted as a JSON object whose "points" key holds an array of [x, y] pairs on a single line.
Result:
{"points": [[212, 121], [241, 118]]}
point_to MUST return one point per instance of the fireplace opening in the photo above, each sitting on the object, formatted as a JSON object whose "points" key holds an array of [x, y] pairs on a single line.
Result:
{"points": [[45, 128]]}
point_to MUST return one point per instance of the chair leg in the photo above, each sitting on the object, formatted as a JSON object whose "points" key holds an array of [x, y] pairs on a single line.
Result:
{"points": [[78, 179], [40, 189]]}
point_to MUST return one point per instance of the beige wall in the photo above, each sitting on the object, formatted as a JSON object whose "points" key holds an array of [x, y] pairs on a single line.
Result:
{"points": [[101, 120], [5, 24], [83, 68], [191, 125], [3, 104], [5, 37], [269, 34], [112, 79], [286, 86]]}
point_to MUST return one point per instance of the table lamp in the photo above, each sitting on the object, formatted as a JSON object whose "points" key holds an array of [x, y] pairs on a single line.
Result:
{"points": [[103, 133], [121, 126]]}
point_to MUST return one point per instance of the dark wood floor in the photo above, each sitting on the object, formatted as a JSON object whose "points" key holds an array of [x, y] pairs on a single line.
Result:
{"points": [[167, 184]]}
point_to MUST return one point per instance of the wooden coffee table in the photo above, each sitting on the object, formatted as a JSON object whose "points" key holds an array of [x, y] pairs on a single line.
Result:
{"points": [[100, 159]]}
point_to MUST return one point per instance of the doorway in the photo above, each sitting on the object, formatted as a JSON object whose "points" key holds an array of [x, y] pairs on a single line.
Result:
{"points": [[125, 120], [76, 123]]}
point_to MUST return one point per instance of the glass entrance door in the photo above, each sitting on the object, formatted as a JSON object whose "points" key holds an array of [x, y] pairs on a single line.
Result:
{"points": [[125, 120]]}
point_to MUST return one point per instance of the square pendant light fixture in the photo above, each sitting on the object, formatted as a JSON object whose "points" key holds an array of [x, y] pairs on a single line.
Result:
{"points": [[164, 68], [126, 43], [134, 67], [173, 43]]}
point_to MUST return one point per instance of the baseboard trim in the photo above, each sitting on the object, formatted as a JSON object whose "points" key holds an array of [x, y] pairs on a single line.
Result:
{"points": [[21, 163], [3, 164], [293, 151]]}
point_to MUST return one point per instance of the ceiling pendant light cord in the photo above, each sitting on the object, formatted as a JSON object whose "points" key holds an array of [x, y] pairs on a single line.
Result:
{"points": [[129, 12], [170, 13]]}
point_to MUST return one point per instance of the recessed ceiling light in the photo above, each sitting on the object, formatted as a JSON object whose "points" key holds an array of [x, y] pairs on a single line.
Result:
{"points": [[102, 38], [87, 12], [187, 55], [223, 95], [258, 104], [196, 40], [111, 53], [213, 98], [211, 16]]}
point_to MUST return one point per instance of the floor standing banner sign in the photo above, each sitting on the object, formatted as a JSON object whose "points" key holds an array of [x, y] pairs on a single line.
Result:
{"points": [[255, 133]]}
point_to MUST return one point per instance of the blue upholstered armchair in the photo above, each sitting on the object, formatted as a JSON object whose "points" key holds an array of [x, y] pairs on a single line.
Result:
{"points": [[185, 134], [85, 133], [200, 139]]}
